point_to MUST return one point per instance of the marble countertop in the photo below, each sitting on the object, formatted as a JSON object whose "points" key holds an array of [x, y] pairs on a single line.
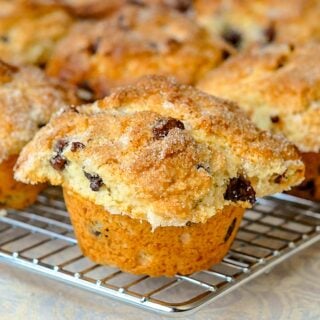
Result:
{"points": [[290, 291]]}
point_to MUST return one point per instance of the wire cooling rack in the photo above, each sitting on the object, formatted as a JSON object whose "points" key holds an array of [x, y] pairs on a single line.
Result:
{"points": [[41, 239]]}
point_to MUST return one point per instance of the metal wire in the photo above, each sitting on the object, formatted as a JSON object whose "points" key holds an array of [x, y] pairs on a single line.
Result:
{"points": [[41, 239]]}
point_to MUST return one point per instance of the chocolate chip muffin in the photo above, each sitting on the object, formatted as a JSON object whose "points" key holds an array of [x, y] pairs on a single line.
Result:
{"points": [[157, 175], [243, 22], [27, 100], [279, 87], [101, 54], [28, 33]]}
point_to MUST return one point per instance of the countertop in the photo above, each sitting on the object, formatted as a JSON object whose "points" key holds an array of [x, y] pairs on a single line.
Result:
{"points": [[290, 291]]}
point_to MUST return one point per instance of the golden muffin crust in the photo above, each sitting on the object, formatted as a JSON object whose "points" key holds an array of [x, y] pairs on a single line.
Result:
{"points": [[136, 41], [28, 34], [133, 246], [161, 152], [244, 22], [14, 194], [279, 86], [27, 100]]}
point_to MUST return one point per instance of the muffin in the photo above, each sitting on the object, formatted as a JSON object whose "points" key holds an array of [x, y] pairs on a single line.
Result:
{"points": [[243, 22], [157, 175], [27, 99], [98, 55], [28, 34], [279, 87]]}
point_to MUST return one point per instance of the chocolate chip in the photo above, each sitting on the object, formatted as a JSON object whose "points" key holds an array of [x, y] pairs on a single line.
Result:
{"points": [[94, 46], [96, 233], [95, 181], [163, 126], [309, 186], [230, 230], [40, 125], [58, 162], [183, 5], [274, 119], [278, 179], [240, 189], [270, 34], [225, 54], [60, 145], [189, 224], [75, 146], [232, 36]]}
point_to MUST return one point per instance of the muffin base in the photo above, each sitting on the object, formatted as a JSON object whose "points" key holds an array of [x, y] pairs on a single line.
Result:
{"points": [[14, 194], [132, 246], [310, 187]]}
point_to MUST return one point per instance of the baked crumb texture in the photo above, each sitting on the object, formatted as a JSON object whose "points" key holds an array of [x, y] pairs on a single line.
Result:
{"points": [[27, 100], [160, 152], [28, 33], [243, 22], [98, 55]]}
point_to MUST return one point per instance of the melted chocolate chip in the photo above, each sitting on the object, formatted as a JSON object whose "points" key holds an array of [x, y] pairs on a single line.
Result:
{"points": [[189, 224], [95, 181], [60, 145], [230, 230], [274, 119], [163, 126], [233, 37], [58, 162], [240, 189], [270, 34], [75, 146]]}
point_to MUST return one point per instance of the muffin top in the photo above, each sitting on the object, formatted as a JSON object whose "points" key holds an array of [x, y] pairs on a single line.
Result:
{"points": [[100, 54], [27, 100], [29, 33], [161, 152], [244, 22], [279, 86]]}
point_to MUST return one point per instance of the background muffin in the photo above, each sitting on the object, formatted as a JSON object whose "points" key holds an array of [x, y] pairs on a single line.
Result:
{"points": [[136, 41], [279, 87], [158, 156], [243, 22], [27, 100], [28, 34]]}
